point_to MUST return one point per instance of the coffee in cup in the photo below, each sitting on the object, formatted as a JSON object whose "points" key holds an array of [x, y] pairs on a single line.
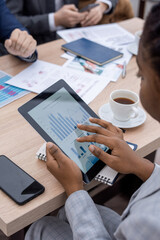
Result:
{"points": [[124, 104]]}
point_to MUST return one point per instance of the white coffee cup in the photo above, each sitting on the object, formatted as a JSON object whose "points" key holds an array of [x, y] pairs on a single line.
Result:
{"points": [[124, 111]]}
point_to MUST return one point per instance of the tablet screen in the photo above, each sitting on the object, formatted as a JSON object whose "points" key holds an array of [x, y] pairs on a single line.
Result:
{"points": [[58, 116]]}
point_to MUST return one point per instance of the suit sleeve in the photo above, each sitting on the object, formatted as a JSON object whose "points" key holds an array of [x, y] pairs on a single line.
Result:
{"points": [[30, 59], [7, 22], [84, 218], [114, 4], [140, 227], [36, 24]]}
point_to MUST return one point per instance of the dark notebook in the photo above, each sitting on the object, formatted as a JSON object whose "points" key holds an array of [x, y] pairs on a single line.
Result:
{"points": [[92, 51]]}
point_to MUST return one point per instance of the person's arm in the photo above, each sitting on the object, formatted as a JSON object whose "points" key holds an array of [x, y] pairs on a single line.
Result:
{"points": [[22, 45], [122, 158], [66, 16], [83, 216], [36, 24], [7, 22], [112, 5], [96, 14], [148, 218], [15, 37]]}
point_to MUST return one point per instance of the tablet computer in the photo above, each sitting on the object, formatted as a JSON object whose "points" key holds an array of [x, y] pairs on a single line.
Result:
{"points": [[54, 114]]}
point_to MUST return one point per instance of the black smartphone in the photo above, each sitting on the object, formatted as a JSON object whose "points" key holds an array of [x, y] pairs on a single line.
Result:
{"points": [[16, 183], [89, 7]]}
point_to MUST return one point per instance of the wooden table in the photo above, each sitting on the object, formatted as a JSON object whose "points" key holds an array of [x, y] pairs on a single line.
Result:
{"points": [[19, 141]]}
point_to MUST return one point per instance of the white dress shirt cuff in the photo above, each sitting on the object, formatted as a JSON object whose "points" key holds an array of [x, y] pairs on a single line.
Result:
{"points": [[109, 3], [52, 26], [51, 21]]}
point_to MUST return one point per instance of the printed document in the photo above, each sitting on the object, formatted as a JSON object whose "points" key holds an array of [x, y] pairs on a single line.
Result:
{"points": [[112, 34], [41, 75], [8, 93]]}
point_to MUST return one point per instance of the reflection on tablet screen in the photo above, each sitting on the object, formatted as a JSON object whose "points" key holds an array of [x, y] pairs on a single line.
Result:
{"points": [[58, 116]]}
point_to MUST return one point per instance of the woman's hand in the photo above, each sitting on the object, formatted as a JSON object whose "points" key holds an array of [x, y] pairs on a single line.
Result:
{"points": [[122, 158], [104, 128], [64, 169]]}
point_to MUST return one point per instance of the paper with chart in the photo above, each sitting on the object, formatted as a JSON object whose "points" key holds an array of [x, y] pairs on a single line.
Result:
{"points": [[41, 75], [9, 93], [111, 71], [111, 34]]}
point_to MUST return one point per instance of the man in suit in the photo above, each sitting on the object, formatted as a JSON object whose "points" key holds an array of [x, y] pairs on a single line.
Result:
{"points": [[81, 218], [43, 17], [16, 39]]}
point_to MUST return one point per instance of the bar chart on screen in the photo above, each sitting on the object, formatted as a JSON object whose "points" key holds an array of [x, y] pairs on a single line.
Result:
{"points": [[62, 126], [58, 116]]}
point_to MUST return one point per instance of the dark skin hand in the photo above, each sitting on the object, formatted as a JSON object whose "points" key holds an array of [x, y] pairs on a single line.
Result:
{"points": [[64, 169], [122, 159]]}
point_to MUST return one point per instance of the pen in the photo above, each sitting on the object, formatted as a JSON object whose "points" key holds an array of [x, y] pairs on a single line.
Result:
{"points": [[124, 70]]}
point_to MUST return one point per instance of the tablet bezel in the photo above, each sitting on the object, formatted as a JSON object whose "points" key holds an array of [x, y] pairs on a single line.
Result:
{"points": [[24, 109]]}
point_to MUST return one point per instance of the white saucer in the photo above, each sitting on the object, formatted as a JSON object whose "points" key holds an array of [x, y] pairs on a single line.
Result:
{"points": [[106, 114], [133, 48]]}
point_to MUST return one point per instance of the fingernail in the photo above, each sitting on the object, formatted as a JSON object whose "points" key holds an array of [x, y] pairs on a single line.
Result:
{"points": [[49, 144], [91, 148]]}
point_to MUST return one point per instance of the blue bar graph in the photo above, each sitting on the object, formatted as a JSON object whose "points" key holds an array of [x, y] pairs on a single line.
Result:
{"points": [[85, 113], [75, 152], [82, 149], [73, 122], [62, 125], [56, 126], [64, 122], [60, 137]]}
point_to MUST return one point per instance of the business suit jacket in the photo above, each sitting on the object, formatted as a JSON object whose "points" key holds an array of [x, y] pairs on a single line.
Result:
{"points": [[7, 24], [33, 14], [140, 220]]}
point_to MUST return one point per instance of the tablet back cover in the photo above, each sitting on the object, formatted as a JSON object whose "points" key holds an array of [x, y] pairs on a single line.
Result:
{"points": [[92, 51]]}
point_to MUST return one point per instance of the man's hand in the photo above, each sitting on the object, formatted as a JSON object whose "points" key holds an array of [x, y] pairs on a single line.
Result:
{"points": [[122, 159], [94, 15], [68, 16], [20, 44], [64, 169]]}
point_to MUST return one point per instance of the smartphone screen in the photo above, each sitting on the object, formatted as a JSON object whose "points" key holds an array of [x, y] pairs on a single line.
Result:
{"points": [[16, 183]]}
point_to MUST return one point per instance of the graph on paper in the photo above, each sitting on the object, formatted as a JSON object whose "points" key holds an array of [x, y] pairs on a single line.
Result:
{"points": [[58, 116], [9, 93]]}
